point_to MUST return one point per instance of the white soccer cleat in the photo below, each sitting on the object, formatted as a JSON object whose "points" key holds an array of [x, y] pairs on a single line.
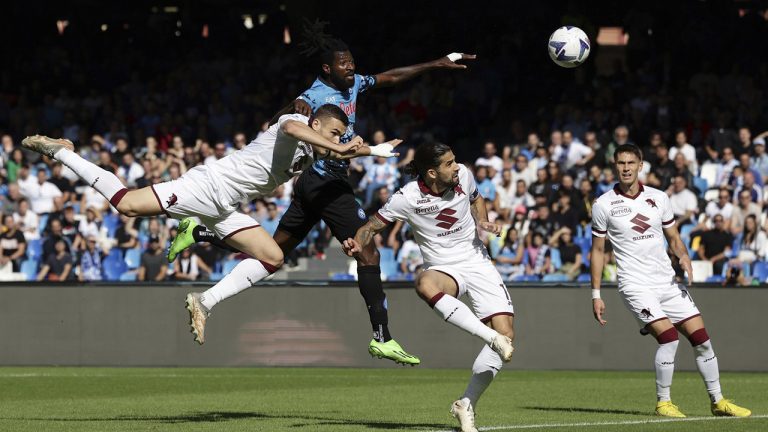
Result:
{"points": [[463, 412], [197, 316], [46, 146], [503, 347]]}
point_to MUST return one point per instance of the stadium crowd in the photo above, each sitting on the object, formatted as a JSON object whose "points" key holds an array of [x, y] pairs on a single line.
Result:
{"points": [[538, 162]]}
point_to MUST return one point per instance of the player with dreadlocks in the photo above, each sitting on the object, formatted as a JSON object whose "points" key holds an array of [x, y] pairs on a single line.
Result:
{"points": [[323, 192]]}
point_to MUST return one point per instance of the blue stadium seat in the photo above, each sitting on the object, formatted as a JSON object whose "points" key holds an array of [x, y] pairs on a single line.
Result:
{"points": [[114, 268], [342, 277], [216, 276], [115, 253], [128, 276], [29, 268], [760, 271], [133, 258], [111, 222], [42, 223], [554, 277], [584, 277], [526, 278], [701, 184], [35, 249], [388, 263], [554, 255], [715, 279], [228, 265]]}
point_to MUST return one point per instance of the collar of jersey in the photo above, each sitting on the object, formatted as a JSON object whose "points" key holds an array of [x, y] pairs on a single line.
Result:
{"points": [[618, 191], [427, 191]]}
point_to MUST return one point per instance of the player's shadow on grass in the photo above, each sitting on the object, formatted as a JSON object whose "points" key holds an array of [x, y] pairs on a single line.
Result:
{"points": [[222, 416], [588, 410]]}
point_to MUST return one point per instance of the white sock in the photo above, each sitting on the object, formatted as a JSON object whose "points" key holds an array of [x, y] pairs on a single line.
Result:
{"points": [[243, 276], [706, 361], [665, 368], [105, 182], [487, 365], [452, 310]]}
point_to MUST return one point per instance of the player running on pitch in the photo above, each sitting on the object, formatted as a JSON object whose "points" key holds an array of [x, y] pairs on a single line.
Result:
{"points": [[637, 219], [444, 208], [324, 193], [213, 192]]}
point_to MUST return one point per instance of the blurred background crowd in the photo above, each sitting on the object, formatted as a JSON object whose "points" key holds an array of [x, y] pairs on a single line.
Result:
{"points": [[149, 92]]}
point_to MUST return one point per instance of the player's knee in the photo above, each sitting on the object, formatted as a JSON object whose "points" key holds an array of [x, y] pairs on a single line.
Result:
{"points": [[369, 255], [275, 258]]}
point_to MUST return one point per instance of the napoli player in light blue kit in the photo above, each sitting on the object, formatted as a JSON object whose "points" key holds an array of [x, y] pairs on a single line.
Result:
{"points": [[323, 192]]}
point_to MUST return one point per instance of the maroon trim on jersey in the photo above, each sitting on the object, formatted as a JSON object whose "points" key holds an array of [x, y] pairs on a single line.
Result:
{"points": [[433, 301], [488, 318], [160, 203], [671, 221], [382, 218], [667, 336], [240, 229], [618, 191], [425, 189], [679, 323], [268, 267], [698, 337], [115, 200], [598, 231]]}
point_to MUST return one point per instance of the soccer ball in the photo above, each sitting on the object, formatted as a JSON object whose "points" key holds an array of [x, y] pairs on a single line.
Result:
{"points": [[568, 46]]}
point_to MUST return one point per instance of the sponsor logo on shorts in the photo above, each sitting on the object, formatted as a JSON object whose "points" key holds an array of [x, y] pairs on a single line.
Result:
{"points": [[172, 200], [361, 213], [620, 211], [425, 210], [646, 313]]}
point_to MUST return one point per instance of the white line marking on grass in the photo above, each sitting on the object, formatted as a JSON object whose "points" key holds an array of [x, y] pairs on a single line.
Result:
{"points": [[607, 423]]}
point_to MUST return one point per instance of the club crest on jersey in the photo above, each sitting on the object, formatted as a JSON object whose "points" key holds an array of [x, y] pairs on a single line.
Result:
{"points": [[651, 202], [172, 200], [361, 213], [458, 190]]}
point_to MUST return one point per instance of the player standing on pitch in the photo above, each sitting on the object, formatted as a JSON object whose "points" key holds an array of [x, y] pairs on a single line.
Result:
{"points": [[444, 209], [637, 219], [323, 192]]}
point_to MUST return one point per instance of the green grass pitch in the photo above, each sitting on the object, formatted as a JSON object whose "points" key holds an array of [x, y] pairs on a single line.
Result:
{"points": [[339, 400]]}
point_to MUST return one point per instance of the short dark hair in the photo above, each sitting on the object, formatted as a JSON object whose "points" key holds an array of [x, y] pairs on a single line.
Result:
{"points": [[331, 111], [332, 46], [628, 148], [427, 156]]}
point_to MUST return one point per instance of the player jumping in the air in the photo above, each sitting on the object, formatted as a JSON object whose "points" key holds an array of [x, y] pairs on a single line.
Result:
{"points": [[323, 192], [214, 192], [444, 209], [636, 219]]}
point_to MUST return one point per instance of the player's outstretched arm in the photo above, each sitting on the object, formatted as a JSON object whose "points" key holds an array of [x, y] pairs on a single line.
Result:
{"points": [[398, 75], [303, 132], [363, 236], [381, 150], [596, 263], [679, 249]]}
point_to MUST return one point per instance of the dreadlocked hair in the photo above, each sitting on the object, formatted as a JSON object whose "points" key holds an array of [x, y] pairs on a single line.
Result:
{"points": [[318, 43]]}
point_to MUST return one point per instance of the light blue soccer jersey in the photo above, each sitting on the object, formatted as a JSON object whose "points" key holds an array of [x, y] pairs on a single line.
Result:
{"points": [[320, 94]]}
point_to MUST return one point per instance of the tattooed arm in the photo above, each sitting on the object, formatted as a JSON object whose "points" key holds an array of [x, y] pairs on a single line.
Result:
{"points": [[364, 235]]}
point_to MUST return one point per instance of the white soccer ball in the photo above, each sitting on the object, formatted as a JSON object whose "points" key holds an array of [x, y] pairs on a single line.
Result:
{"points": [[568, 46]]}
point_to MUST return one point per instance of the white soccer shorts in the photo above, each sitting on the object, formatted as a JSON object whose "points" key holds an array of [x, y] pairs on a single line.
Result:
{"points": [[195, 195], [487, 293], [654, 303]]}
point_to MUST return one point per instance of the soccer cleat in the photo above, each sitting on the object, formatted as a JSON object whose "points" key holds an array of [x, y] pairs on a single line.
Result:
{"points": [[726, 408], [463, 412], [197, 316], [393, 351], [46, 146], [503, 347], [668, 409], [183, 239]]}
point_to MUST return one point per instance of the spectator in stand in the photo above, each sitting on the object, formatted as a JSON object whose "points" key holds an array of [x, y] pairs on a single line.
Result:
{"points": [[721, 137], [12, 244], [186, 268], [576, 155], [661, 173], [219, 151], [484, 184], [105, 161], [680, 168], [522, 170], [91, 267], [153, 262], [273, 217], [570, 253], [509, 260], [721, 207], [70, 228], [27, 221], [54, 235], [45, 197], [126, 235], [745, 162], [744, 208], [620, 137], [725, 167], [531, 146], [10, 203], [555, 149], [129, 170], [683, 202], [541, 186], [751, 247], [62, 183], [587, 196], [687, 150], [409, 257], [16, 161], [381, 173], [744, 142], [542, 223], [555, 175], [749, 184], [490, 158], [606, 183], [564, 214], [27, 183], [57, 265], [381, 198], [505, 191], [541, 159], [91, 225], [539, 258], [760, 159], [208, 258], [715, 245], [121, 148]]}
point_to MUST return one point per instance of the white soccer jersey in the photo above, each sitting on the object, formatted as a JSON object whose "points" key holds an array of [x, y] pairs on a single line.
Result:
{"points": [[264, 164], [442, 225], [634, 227]]}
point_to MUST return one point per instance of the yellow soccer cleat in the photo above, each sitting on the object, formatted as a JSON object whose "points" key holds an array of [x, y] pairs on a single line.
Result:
{"points": [[726, 408], [668, 409]]}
